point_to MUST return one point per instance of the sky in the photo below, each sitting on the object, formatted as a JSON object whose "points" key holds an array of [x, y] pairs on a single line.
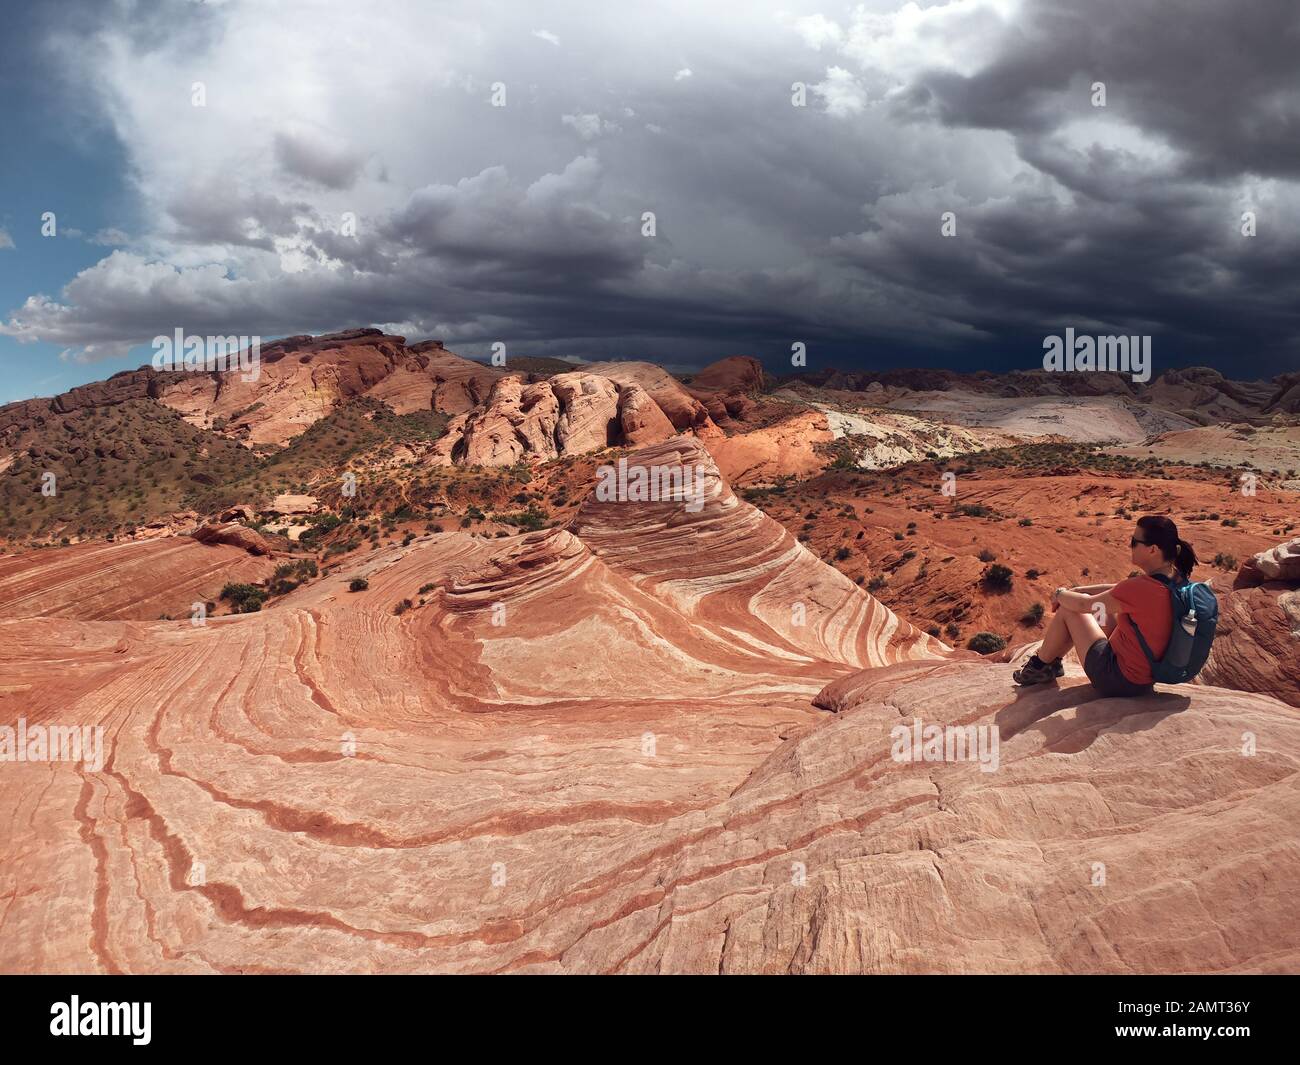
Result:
{"points": [[887, 184]]}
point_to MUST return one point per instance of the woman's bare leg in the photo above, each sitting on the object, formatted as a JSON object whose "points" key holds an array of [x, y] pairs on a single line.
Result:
{"points": [[1068, 629], [1057, 639], [1084, 632]]}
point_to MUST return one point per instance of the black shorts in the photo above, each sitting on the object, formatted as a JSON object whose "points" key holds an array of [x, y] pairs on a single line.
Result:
{"points": [[1103, 670]]}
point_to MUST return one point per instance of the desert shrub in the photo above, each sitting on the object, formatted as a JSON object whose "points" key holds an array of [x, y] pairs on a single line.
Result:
{"points": [[1031, 574], [358, 584], [842, 554], [952, 630], [1026, 521], [529, 520], [403, 607], [425, 589], [986, 643], [987, 556], [244, 598], [1033, 615], [877, 582], [997, 578], [1228, 562]]}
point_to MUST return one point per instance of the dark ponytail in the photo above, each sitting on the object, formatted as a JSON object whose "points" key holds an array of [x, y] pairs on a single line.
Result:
{"points": [[1162, 532]]}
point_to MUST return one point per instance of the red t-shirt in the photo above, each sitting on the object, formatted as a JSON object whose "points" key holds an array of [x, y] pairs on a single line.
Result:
{"points": [[1146, 601]]}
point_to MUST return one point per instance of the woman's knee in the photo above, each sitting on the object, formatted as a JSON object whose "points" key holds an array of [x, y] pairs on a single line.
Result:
{"points": [[1084, 631]]}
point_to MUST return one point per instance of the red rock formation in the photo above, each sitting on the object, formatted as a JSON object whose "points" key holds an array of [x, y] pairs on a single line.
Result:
{"points": [[1257, 645], [289, 503], [728, 389], [140, 579], [596, 751], [661, 740], [302, 378], [235, 535], [459, 385], [239, 512], [1281, 563], [640, 418], [567, 414], [736, 373], [787, 447], [682, 409], [750, 575]]}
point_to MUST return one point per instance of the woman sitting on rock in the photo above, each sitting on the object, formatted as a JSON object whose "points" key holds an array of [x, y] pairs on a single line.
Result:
{"points": [[1098, 619]]}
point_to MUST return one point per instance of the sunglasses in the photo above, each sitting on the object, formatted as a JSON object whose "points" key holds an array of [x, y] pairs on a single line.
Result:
{"points": [[1135, 542]]}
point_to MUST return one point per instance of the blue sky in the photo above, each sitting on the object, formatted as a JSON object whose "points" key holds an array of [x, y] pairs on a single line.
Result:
{"points": [[72, 168], [776, 222]]}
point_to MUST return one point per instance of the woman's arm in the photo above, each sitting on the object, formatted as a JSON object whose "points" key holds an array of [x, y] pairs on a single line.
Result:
{"points": [[1093, 589], [1081, 602]]}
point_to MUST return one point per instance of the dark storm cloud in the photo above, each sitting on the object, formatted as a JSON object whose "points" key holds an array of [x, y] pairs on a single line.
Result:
{"points": [[1219, 81], [1143, 235], [775, 223]]}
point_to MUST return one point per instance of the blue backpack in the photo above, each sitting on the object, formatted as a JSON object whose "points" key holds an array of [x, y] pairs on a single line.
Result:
{"points": [[1196, 617]]}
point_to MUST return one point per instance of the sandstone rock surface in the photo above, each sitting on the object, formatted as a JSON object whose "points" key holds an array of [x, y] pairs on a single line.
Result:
{"points": [[658, 741], [289, 503], [1281, 563], [234, 534], [133, 579], [303, 378], [670, 395], [567, 414]]}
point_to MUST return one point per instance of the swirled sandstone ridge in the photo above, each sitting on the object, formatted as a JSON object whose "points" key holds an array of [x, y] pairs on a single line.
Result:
{"points": [[658, 740]]}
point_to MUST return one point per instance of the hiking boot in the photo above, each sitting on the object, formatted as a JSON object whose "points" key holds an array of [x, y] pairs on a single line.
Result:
{"points": [[1037, 672]]}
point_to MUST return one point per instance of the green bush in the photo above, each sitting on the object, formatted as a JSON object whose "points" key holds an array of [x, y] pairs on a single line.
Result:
{"points": [[244, 598], [986, 643], [997, 578], [358, 584], [529, 520]]}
